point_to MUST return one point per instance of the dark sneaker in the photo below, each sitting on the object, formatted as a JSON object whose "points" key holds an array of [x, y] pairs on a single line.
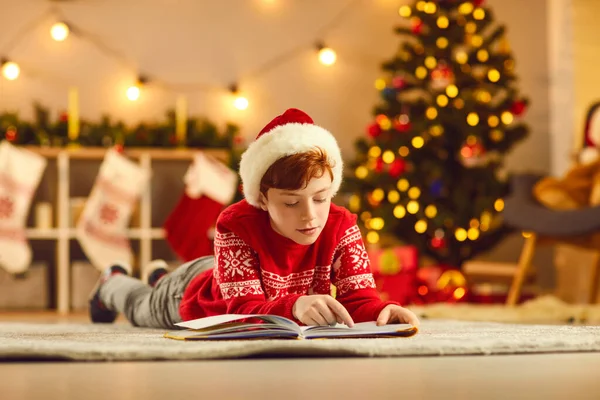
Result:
{"points": [[99, 313], [156, 270]]}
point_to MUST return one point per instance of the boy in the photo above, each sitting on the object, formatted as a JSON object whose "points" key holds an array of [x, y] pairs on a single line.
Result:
{"points": [[276, 252]]}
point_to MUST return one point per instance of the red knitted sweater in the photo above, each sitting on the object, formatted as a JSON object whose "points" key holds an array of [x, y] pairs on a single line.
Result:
{"points": [[259, 271]]}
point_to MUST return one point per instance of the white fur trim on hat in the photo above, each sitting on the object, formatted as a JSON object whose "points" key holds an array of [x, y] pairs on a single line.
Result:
{"points": [[285, 140]]}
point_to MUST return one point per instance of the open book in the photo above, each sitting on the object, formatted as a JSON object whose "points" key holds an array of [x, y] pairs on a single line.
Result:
{"points": [[258, 326]]}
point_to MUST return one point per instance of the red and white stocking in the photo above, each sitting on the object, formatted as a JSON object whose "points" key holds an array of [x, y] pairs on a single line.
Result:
{"points": [[20, 174], [102, 227], [209, 187]]}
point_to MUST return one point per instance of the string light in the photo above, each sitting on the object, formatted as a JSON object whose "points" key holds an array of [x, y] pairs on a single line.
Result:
{"points": [[375, 151], [378, 194], [506, 117], [418, 142], [430, 7], [472, 119], [134, 91], [441, 42], [10, 70], [404, 151], [493, 121], [388, 157], [430, 62], [377, 223], [460, 234], [465, 8], [414, 192], [430, 211], [393, 196], [59, 31], [461, 57], [499, 205], [399, 211], [361, 172], [380, 84], [483, 55], [431, 113], [403, 185], [452, 91], [326, 55], [239, 101], [372, 237], [442, 100], [442, 22], [354, 203], [412, 207], [479, 14], [436, 130], [405, 11], [421, 226], [493, 75]]}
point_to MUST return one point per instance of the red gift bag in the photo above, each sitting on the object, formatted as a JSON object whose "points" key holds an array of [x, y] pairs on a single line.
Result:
{"points": [[395, 272]]}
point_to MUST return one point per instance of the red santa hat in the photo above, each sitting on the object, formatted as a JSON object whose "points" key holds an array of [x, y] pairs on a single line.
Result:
{"points": [[292, 132]]}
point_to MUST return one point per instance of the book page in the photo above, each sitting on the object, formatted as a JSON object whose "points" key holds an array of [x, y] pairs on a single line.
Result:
{"points": [[359, 329], [207, 322]]}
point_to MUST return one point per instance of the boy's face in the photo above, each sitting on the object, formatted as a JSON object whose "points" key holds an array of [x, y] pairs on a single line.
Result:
{"points": [[299, 215]]}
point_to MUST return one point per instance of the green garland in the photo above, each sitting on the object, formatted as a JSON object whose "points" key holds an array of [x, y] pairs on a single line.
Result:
{"points": [[43, 131]]}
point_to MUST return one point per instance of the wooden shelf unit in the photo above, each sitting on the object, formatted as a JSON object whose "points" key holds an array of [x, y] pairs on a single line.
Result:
{"points": [[63, 232]]}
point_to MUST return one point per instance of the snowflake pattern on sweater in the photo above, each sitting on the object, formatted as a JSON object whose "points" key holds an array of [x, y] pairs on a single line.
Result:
{"points": [[259, 271]]}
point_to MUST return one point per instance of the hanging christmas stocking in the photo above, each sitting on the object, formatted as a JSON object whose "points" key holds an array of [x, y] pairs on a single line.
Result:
{"points": [[209, 187], [102, 227], [20, 174]]}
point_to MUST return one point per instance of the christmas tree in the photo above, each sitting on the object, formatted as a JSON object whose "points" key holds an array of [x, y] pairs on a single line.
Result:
{"points": [[430, 170]]}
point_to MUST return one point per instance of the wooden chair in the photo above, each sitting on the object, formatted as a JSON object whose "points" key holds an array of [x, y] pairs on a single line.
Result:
{"points": [[544, 226]]}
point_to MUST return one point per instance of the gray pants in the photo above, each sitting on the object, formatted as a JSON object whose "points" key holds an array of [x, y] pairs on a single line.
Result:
{"points": [[156, 307]]}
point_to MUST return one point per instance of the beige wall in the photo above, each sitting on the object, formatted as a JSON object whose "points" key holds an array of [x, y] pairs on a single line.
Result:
{"points": [[218, 41]]}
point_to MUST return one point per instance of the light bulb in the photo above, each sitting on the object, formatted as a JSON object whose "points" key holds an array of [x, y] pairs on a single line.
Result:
{"points": [[10, 70], [133, 93], [327, 56], [59, 31], [240, 102]]}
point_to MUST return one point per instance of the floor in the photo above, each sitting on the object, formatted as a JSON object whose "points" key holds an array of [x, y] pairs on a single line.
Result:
{"points": [[544, 376]]}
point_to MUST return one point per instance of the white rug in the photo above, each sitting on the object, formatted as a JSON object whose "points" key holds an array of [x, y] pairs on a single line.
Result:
{"points": [[120, 342]]}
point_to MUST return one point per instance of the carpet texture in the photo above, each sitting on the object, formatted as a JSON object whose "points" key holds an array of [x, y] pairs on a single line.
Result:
{"points": [[541, 310], [121, 342]]}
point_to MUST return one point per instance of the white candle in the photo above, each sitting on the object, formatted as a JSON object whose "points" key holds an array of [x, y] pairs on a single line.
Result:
{"points": [[43, 215]]}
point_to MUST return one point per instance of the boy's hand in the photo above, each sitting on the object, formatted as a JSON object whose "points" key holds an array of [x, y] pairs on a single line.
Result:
{"points": [[321, 309], [396, 314]]}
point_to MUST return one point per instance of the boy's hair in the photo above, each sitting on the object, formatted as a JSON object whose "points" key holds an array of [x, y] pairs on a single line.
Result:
{"points": [[293, 172]]}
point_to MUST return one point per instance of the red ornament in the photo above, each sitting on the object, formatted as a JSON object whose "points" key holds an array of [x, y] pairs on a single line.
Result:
{"points": [[398, 82], [11, 134], [119, 148], [63, 117], [478, 3], [379, 165], [417, 26], [374, 130], [518, 108], [402, 126], [397, 168], [438, 243]]}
